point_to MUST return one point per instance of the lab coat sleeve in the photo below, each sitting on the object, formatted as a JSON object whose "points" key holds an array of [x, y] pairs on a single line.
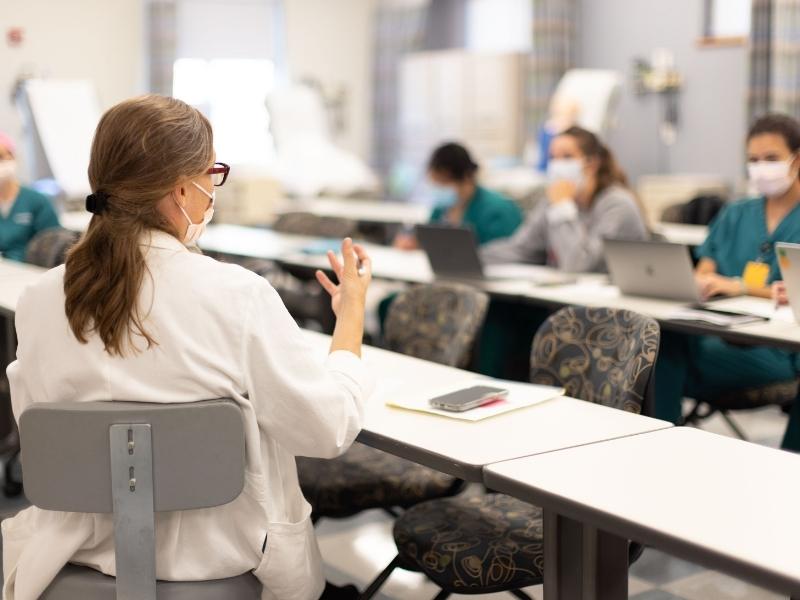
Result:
{"points": [[578, 248], [312, 407], [527, 245]]}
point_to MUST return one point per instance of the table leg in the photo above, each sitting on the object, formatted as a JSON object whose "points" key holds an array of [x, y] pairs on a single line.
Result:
{"points": [[582, 562]]}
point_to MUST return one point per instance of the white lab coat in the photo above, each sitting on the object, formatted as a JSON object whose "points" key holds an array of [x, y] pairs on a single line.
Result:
{"points": [[222, 332]]}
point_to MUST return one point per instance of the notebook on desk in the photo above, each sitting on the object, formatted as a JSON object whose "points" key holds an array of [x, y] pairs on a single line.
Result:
{"points": [[453, 254]]}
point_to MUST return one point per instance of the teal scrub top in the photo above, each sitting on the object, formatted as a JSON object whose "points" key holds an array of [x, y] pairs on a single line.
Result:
{"points": [[31, 213], [489, 214], [739, 235]]}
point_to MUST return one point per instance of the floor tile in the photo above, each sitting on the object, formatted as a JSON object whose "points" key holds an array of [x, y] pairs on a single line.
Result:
{"points": [[656, 595], [658, 568], [712, 585]]}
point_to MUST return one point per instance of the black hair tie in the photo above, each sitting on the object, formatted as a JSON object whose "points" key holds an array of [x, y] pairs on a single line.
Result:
{"points": [[97, 202]]}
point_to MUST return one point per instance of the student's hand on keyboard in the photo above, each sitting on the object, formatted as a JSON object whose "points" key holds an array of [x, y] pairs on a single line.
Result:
{"points": [[712, 285]]}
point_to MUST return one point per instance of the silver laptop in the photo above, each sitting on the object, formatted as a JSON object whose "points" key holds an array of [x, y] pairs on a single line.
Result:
{"points": [[453, 254], [789, 263], [652, 269]]}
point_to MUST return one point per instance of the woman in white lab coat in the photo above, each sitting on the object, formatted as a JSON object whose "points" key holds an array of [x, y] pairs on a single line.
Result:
{"points": [[134, 315]]}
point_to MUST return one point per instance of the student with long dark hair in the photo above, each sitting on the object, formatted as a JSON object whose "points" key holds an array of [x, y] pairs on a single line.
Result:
{"points": [[459, 200]]}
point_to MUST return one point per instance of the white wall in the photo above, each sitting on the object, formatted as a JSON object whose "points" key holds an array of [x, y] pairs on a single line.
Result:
{"points": [[332, 42], [713, 103], [102, 40]]}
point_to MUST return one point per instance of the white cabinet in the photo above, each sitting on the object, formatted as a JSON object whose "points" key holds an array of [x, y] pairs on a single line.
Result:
{"points": [[472, 98]]}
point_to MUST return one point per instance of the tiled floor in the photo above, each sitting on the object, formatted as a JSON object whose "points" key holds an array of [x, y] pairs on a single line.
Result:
{"points": [[357, 549]]}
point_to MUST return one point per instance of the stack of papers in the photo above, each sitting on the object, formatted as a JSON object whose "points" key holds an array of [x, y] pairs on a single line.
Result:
{"points": [[520, 395]]}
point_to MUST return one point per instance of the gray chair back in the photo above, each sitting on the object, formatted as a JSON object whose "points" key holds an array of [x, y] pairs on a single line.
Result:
{"points": [[49, 248], [132, 459]]}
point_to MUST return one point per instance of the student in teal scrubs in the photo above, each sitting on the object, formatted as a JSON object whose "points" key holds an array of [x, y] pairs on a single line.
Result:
{"points": [[460, 201], [739, 258], [23, 211]]}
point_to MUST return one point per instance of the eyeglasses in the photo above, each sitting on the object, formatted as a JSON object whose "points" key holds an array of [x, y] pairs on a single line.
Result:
{"points": [[219, 173]]}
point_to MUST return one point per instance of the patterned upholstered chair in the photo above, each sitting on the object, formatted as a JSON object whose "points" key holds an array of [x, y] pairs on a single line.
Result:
{"points": [[434, 322], [782, 394], [492, 543], [49, 248]]}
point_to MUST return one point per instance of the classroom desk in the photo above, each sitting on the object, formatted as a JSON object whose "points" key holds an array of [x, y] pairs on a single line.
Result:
{"points": [[441, 443], [680, 233], [463, 448], [590, 290], [363, 211], [728, 505]]}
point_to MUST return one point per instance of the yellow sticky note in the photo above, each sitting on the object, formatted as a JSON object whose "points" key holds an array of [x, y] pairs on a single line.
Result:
{"points": [[755, 274], [783, 260]]}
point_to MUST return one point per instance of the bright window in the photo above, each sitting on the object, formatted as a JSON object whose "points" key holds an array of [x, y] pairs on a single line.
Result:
{"points": [[231, 92], [499, 25]]}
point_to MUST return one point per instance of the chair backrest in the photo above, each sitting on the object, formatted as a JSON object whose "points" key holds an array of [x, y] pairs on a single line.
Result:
{"points": [[49, 248], [437, 322], [132, 459], [601, 355], [305, 223]]}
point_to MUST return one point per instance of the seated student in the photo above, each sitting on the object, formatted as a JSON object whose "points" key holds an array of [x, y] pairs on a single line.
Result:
{"points": [[738, 258], [588, 199], [460, 201], [23, 211], [133, 315]]}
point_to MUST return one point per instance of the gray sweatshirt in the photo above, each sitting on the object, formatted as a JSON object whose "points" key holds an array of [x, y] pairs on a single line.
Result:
{"points": [[568, 238]]}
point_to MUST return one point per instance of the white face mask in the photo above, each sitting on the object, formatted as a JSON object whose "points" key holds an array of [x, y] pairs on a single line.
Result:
{"points": [[565, 169], [771, 178], [8, 170], [195, 230]]}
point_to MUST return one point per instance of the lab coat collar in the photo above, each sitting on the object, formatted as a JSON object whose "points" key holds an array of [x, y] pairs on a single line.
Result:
{"points": [[155, 238]]}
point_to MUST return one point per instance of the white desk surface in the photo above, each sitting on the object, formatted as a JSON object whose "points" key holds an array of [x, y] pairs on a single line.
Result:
{"points": [[463, 448], [75, 220], [367, 211], [413, 267], [679, 233], [14, 278], [728, 504]]}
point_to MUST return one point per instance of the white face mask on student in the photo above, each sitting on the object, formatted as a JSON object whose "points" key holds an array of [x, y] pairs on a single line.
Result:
{"points": [[8, 170], [565, 169], [195, 230], [771, 178]]}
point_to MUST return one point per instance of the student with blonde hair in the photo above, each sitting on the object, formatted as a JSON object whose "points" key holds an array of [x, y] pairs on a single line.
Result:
{"points": [[133, 315]]}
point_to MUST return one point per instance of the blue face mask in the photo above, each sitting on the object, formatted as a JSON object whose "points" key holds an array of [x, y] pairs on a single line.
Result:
{"points": [[444, 196]]}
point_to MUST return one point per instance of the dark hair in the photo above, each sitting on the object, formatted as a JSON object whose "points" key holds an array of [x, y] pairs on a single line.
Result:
{"points": [[454, 160], [608, 171], [783, 125]]}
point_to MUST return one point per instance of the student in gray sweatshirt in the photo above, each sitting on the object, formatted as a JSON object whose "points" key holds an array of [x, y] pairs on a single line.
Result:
{"points": [[588, 200]]}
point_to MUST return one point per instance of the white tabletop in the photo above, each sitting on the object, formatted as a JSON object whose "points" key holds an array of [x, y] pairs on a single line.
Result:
{"points": [[680, 233], [14, 278], [463, 448], [728, 504], [75, 220], [366, 211]]}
